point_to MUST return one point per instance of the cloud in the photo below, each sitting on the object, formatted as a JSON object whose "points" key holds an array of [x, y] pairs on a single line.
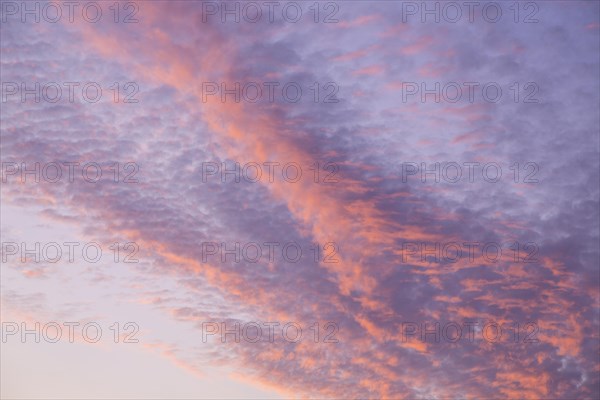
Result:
{"points": [[371, 213]]}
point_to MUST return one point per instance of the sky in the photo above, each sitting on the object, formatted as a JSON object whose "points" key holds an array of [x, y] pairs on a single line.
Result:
{"points": [[273, 200]]}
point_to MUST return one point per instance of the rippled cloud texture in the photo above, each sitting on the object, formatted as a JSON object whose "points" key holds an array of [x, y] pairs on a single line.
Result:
{"points": [[375, 124]]}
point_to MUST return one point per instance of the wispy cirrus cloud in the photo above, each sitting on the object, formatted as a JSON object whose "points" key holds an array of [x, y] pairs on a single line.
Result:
{"points": [[372, 212]]}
